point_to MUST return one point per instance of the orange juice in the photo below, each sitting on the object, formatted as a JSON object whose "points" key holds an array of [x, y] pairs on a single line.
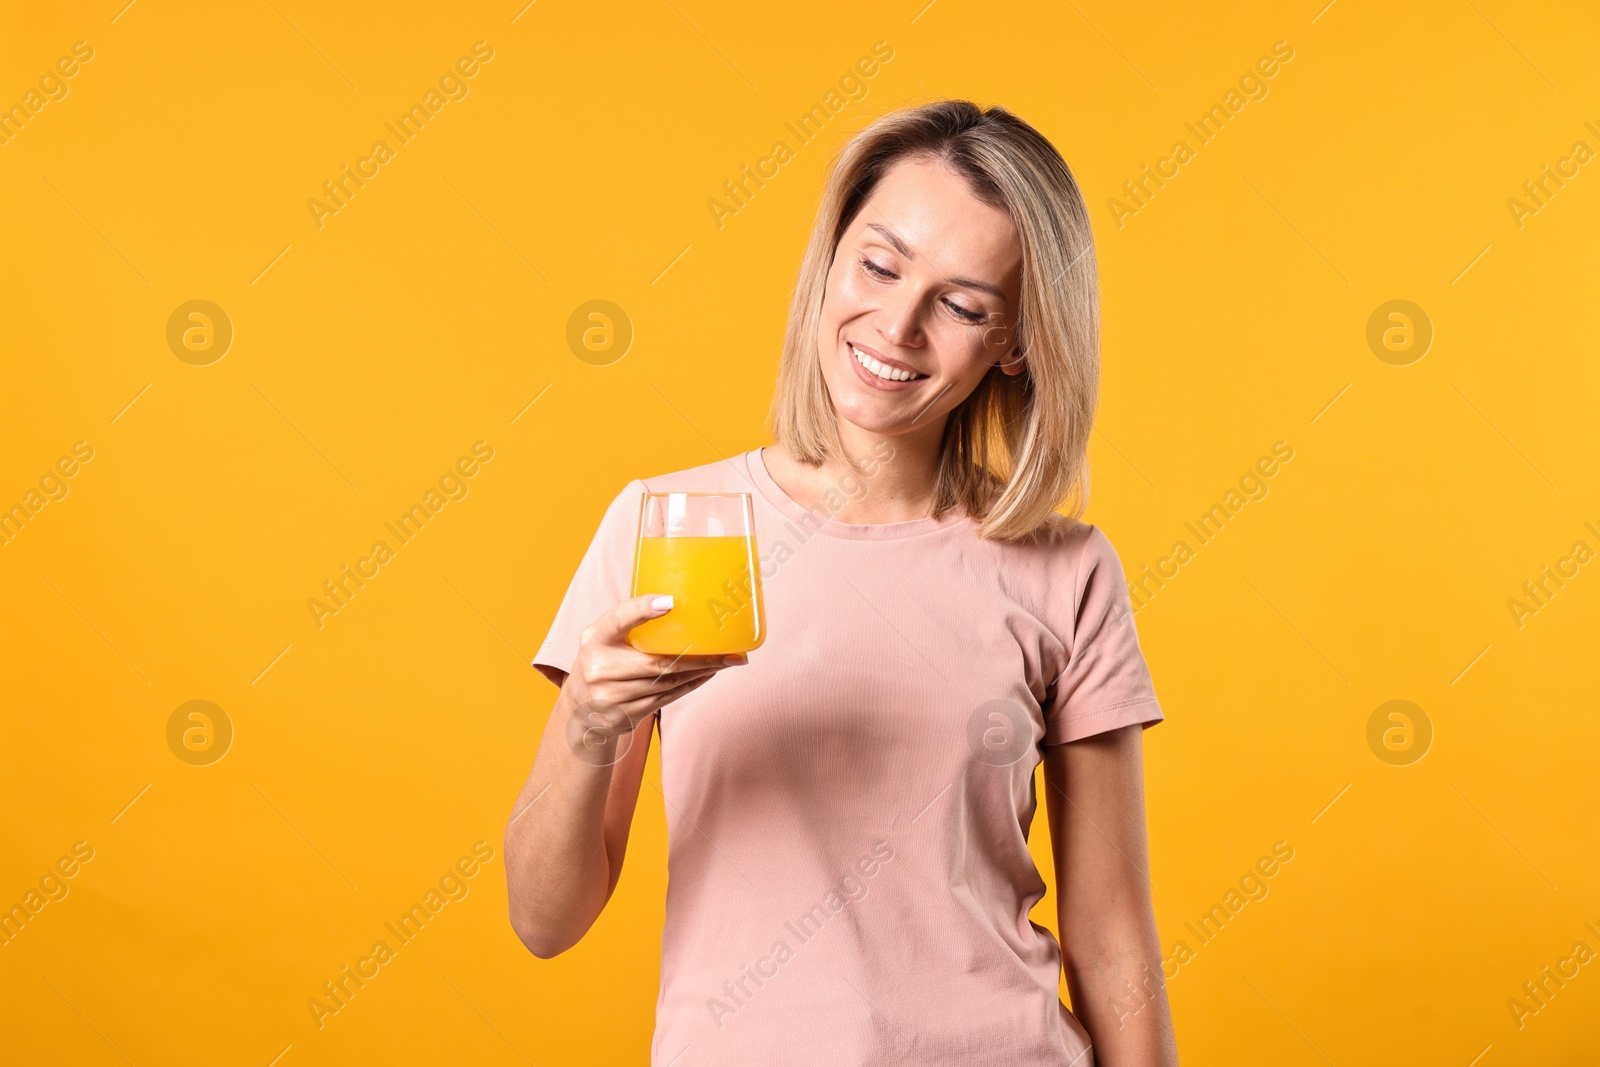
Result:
{"points": [[716, 595]]}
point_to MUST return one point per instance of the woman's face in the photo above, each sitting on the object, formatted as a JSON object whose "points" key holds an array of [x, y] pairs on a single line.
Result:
{"points": [[926, 279]]}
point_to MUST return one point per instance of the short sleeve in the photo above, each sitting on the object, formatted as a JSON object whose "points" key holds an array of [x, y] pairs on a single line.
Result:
{"points": [[1106, 683], [603, 580]]}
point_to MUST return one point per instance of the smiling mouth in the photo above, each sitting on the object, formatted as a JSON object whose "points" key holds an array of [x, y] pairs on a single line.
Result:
{"points": [[879, 369]]}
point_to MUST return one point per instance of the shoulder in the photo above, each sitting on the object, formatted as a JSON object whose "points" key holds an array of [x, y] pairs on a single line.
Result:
{"points": [[1062, 542], [1050, 569], [1096, 567], [1074, 564]]}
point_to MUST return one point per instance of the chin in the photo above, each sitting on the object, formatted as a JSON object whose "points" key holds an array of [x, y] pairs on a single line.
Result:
{"points": [[864, 417]]}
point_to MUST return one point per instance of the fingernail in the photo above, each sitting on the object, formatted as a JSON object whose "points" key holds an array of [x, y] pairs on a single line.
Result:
{"points": [[733, 661], [661, 603]]}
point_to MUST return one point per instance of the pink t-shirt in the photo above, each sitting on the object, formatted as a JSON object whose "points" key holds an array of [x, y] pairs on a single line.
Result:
{"points": [[848, 813]]}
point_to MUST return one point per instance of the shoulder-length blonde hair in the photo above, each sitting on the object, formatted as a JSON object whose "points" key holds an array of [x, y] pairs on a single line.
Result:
{"points": [[1017, 448]]}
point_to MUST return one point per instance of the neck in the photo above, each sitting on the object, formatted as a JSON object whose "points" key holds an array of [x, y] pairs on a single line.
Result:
{"points": [[891, 479]]}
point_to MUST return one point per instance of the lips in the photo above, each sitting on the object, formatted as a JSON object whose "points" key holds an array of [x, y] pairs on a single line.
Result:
{"points": [[882, 360]]}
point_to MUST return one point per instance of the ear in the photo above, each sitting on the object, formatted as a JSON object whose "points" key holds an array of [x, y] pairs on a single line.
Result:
{"points": [[1016, 364]]}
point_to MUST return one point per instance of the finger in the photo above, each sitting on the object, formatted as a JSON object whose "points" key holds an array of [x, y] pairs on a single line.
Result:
{"points": [[634, 695], [650, 665], [613, 627], [649, 701], [658, 684]]}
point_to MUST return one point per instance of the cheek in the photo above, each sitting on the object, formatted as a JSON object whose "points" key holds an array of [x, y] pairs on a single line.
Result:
{"points": [[842, 303], [965, 351], [847, 291], [994, 335]]}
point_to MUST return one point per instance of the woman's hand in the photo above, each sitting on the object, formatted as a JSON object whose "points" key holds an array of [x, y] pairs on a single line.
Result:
{"points": [[614, 688], [568, 831]]}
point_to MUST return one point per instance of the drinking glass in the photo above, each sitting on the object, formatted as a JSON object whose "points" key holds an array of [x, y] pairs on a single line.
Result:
{"points": [[700, 548]]}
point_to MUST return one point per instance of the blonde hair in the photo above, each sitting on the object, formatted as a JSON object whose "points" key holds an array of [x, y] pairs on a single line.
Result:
{"points": [[1017, 447]]}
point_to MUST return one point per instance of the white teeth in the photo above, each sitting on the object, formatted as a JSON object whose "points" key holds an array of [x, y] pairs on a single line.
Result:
{"points": [[887, 373]]}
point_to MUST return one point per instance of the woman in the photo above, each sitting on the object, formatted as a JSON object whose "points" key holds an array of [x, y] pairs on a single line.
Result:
{"points": [[848, 806]]}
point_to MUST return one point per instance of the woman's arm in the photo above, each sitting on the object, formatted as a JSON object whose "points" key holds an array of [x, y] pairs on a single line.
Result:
{"points": [[568, 831], [1109, 946]]}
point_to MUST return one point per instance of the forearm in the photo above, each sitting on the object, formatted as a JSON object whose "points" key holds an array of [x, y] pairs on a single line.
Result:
{"points": [[558, 875], [1120, 997]]}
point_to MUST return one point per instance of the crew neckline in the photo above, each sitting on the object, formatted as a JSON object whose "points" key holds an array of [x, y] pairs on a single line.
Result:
{"points": [[814, 521]]}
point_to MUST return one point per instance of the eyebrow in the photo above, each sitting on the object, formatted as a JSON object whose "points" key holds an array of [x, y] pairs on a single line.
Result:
{"points": [[905, 250]]}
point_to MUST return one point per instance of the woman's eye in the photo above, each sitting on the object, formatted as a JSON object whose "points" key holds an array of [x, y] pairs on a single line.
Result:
{"points": [[964, 314], [875, 269]]}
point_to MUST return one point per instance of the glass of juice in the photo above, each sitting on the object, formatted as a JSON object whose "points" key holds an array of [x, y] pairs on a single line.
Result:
{"points": [[699, 548]]}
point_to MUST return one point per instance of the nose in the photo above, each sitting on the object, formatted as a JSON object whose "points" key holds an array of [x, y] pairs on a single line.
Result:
{"points": [[902, 320]]}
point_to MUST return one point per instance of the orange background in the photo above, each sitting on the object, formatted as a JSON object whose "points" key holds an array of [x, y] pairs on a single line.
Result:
{"points": [[369, 354]]}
